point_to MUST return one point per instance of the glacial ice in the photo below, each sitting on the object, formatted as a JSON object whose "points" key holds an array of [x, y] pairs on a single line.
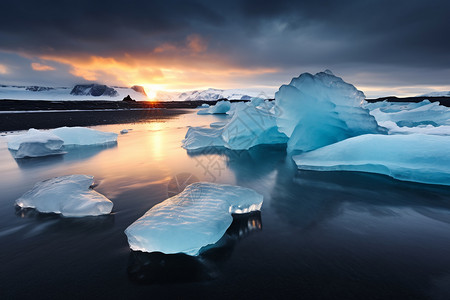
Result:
{"points": [[221, 107], [217, 124], [411, 114], [197, 217], [248, 127], [251, 126], [415, 157], [35, 143], [70, 196], [321, 109], [82, 136]]}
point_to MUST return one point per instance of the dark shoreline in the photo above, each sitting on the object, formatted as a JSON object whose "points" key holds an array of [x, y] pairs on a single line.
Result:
{"points": [[47, 120], [445, 101]]}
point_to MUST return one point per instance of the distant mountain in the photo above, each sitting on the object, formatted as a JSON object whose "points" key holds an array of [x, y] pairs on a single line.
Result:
{"points": [[437, 94], [213, 94], [78, 92], [136, 92], [95, 90]]}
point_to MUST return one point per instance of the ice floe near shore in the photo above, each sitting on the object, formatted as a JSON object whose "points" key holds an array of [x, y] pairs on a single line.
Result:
{"points": [[197, 217], [70, 196], [416, 157], [36, 143], [221, 107]]}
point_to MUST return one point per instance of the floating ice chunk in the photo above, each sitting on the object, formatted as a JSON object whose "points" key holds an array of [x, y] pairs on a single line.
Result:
{"points": [[411, 114], [82, 136], [124, 131], [35, 143], [204, 105], [221, 107], [248, 127], [321, 109], [197, 217], [200, 137], [424, 129], [414, 157], [69, 195], [218, 124], [251, 126]]}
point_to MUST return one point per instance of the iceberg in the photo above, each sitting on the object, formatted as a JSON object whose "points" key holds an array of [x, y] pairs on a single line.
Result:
{"points": [[251, 126], [248, 127], [411, 114], [200, 137], [70, 196], [35, 143], [217, 124], [82, 136], [321, 109], [197, 217], [415, 157], [221, 107]]}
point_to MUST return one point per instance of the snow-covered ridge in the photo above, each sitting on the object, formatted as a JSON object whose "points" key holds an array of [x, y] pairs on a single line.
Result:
{"points": [[78, 92], [136, 92], [437, 94], [215, 94]]}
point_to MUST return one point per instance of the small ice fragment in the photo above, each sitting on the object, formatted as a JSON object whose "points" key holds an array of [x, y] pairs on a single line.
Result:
{"points": [[70, 196]]}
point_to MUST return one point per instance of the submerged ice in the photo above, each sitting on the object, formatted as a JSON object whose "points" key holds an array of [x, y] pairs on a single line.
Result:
{"points": [[197, 217], [416, 157], [70, 196]]}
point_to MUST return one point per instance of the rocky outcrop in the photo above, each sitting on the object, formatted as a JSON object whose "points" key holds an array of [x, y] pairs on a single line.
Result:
{"points": [[95, 90], [139, 89]]}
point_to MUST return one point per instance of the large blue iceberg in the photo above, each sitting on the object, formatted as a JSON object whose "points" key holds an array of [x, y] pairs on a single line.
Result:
{"points": [[197, 217], [321, 109], [416, 157]]}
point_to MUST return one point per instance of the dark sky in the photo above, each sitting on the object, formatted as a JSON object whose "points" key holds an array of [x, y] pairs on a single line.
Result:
{"points": [[383, 47]]}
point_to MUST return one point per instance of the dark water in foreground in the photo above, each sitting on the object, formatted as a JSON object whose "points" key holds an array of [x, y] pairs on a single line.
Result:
{"points": [[330, 235]]}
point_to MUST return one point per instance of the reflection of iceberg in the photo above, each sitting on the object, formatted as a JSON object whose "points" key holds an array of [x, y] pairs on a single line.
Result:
{"points": [[420, 158], [70, 196], [197, 217], [157, 267]]}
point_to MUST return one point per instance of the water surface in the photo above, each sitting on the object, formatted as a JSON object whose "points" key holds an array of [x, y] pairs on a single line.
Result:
{"points": [[320, 235]]}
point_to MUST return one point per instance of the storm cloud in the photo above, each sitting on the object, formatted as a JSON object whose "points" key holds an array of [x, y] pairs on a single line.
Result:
{"points": [[371, 43]]}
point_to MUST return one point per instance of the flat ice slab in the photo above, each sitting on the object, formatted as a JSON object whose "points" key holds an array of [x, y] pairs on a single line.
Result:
{"points": [[82, 136], [197, 217], [70, 196], [35, 143], [415, 157]]}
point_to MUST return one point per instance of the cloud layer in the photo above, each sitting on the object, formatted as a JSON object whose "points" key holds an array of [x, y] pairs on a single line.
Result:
{"points": [[189, 44]]}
